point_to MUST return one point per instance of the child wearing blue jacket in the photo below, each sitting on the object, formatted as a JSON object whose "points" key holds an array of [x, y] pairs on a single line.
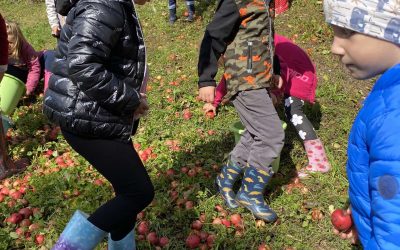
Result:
{"points": [[367, 40]]}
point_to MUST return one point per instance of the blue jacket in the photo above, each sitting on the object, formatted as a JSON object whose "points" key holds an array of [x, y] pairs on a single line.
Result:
{"points": [[373, 166]]}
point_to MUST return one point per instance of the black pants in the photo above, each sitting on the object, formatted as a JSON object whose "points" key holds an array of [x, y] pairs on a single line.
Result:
{"points": [[294, 112], [119, 163]]}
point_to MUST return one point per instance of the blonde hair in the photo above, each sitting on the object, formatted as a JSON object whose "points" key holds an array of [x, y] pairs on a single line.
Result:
{"points": [[15, 39]]}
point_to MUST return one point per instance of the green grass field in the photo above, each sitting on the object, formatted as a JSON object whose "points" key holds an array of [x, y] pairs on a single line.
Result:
{"points": [[198, 143]]}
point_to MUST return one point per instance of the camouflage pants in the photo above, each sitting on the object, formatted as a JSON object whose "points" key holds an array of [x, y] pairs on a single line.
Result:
{"points": [[263, 139]]}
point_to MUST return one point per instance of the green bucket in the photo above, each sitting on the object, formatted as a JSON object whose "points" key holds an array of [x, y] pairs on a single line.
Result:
{"points": [[11, 91], [237, 128]]}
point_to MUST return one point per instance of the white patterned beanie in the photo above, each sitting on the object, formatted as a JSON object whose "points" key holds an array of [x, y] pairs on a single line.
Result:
{"points": [[377, 18]]}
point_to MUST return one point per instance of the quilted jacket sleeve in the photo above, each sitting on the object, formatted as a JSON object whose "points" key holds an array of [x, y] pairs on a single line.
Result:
{"points": [[96, 30], [384, 179]]}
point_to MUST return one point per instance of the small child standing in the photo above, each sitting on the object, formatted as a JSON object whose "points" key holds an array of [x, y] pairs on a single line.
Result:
{"points": [[299, 84], [367, 41], [243, 31]]}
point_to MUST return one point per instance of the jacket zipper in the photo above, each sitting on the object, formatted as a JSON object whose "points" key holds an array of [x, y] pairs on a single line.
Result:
{"points": [[249, 57]]}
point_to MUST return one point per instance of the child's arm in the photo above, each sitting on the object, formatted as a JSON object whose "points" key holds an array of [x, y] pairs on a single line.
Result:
{"points": [[220, 92], [53, 17], [384, 183], [216, 38], [3, 47], [31, 58]]}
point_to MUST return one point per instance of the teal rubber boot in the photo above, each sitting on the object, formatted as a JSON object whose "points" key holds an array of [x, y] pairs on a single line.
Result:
{"points": [[225, 180], [127, 243], [79, 234], [251, 193]]}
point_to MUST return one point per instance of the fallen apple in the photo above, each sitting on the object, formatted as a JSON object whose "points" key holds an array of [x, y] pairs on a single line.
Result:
{"points": [[152, 238], [197, 225], [163, 241], [192, 241], [236, 219], [143, 228], [210, 114]]}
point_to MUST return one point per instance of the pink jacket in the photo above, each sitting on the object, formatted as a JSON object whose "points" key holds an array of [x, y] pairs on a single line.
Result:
{"points": [[30, 58], [297, 71]]}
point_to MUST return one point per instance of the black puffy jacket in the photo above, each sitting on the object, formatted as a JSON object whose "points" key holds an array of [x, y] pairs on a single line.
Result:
{"points": [[98, 69]]}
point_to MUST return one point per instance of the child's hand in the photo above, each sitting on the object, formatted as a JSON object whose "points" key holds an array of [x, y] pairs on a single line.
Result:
{"points": [[207, 94], [277, 81], [55, 31], [351, 234], [209, 107], [143, 108]]}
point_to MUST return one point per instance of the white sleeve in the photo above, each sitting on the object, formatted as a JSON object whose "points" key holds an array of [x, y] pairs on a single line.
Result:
{"points": [[52, 14]]}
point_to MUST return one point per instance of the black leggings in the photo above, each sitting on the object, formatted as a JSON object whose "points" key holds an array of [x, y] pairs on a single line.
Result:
{"points": [[119, 163], [294, 112]]}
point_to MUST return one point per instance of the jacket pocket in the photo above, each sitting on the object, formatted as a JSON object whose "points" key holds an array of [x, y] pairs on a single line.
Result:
{"points": [[249, 57]]}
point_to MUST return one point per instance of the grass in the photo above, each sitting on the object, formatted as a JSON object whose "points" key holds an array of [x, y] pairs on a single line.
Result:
{"points": [[173, 54]]}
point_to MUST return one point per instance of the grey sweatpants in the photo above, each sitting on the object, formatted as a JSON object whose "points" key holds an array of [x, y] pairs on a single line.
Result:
{"points": [[263, 139]]}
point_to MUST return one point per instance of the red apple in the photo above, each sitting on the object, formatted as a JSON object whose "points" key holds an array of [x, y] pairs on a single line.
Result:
{"points": [[16, 195], [140, 215], [4, 191], [39, 239], [14, 218], [341, 220], [25, 223], [203, 236], [26, 212], [236, 219], [170, 172], [210, 240], [152, 238], [226, 222], [187, 114], [189, 204], [143, 228], [2, 197], [197, 225], [163, 241], [191, 173], [210, 114], [192, 241], [184, 170], [98, 182], [263, 246]]}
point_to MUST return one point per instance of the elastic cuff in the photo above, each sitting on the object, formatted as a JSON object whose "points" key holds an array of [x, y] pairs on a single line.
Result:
{"points": [[3, 68], [207, 84]]}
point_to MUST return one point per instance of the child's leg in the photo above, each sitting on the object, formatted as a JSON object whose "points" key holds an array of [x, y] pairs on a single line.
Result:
{"points": [[231, 171], [191, 10], [262, 122], [119, 163], [172, 11], [317, 160]]}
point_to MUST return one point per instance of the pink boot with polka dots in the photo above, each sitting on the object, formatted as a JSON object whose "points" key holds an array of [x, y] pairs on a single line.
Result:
{"points": [[317, 160]]}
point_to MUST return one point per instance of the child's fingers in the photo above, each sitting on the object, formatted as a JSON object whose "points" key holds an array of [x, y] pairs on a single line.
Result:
{"points": [[335, 231]]}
